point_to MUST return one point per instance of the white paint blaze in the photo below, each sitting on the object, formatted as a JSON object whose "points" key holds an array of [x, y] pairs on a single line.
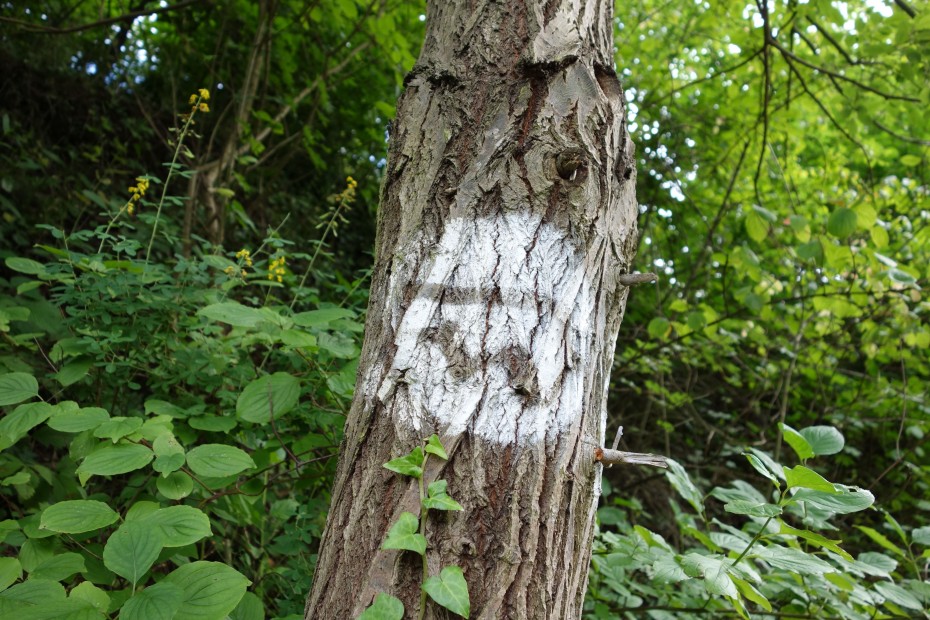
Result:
{"points": [[497, 339]]}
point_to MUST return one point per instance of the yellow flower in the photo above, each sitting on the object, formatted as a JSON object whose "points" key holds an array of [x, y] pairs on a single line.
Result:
{"points": [[192, 99], [204, 107], [280, 279], [204, 94], [130, 208]]}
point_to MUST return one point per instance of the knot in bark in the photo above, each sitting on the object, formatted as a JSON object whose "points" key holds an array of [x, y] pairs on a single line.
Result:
{"points": [[569, 163]]}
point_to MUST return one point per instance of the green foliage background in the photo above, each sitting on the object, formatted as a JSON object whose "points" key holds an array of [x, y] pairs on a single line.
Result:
{"points": [[170, 424]]}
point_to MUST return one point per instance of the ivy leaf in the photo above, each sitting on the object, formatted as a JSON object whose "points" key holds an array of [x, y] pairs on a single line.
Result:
{"points": [[385, 607], [77, 516], [404, 535], [408, 465], [434, 446], [450, 590], [438, 499]]}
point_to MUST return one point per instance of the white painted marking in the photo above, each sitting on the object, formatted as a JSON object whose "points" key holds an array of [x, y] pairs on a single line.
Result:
{"points": [[499, 322]]}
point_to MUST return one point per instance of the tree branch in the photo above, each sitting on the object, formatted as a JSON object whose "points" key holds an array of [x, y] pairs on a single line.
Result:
{"points": [[127, 17]]}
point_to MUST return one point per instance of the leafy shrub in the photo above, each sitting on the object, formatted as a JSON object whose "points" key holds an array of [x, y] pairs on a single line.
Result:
{"points": [[169, 423], [777, 551]]}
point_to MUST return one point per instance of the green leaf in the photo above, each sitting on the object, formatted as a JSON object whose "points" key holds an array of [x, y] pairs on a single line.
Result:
{"points": [[117, 428], [297, 338], [59, 567], [77, 421], [760, 466], [797, 442], [319, 318], [35, 591], [843, 501], [385, 607], [212, 423], [812, 250], [169, 455], [681, 482], [450, 590], [805, 478], [658, 328], [25, 265], [278, 392], [434, 446], [815, 539], [86, 591], [15, 387], [217, 460], [73, 371], [114, 460], [748, 591], [237, 315], [882, 540], [250, 607], [793, 560], [337, 345], [768, 462], [211, 590], [753, 509], [132, 549], [823, 440], [756, 226], [179, 525], [409, 465], [157, 602], [899, 596], [907, 160], [10, 571], [77, 516], [842, 222], [921, 536], [438, 499], [177, 485], [24, 418], [404, 535]]}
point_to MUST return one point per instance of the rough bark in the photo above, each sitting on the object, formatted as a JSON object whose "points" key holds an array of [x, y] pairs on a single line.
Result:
{"points": [[508, 215]]}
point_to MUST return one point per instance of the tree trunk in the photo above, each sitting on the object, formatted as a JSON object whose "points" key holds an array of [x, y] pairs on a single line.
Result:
{"points": [[508, 212]]}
